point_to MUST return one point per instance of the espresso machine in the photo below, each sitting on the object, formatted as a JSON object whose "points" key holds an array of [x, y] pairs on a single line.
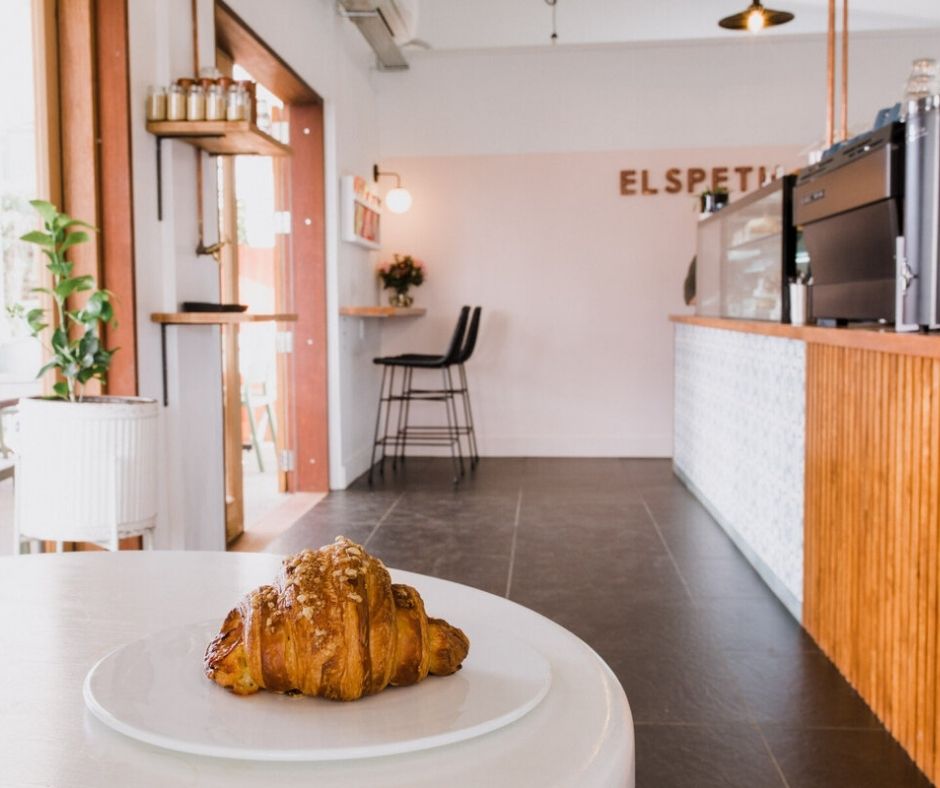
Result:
{"points": [[870, 217], [849, 207]]}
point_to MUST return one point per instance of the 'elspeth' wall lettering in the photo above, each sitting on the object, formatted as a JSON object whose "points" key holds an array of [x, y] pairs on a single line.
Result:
{"points": [[692, 180]]}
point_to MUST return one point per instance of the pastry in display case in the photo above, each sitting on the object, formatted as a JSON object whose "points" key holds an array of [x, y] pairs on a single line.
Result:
{"points": [[746, 254]]}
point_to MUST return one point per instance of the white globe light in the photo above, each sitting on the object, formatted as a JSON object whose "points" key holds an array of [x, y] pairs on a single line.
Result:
{"points": [[398, 200]]}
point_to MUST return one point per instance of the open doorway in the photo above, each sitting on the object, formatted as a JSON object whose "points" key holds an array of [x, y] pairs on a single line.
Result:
{"points": [[273, 262]]}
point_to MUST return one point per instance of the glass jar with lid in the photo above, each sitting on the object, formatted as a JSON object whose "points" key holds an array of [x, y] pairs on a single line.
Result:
{"points": [[923, 82], [247, 95], [234, 105], [196, 102], [215, 102], [176, 102], [156, 103]]}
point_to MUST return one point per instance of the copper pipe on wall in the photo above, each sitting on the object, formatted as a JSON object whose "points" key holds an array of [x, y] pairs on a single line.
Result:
{"points": [[831, 74], [201, 248], [200, 216], [844, 96]]}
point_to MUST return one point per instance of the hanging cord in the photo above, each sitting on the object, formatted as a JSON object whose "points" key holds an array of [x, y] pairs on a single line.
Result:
{"points": [[554, 7]]}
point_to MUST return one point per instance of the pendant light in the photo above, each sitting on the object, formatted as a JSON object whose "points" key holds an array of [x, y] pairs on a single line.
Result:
{"points": [[554, 7], [755, 18]]}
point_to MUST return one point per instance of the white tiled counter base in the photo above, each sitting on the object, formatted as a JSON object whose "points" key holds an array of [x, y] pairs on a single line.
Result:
{"points": [[739, 443]]}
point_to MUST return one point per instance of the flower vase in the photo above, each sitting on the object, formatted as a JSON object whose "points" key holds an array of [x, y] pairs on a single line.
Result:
{"points": [[401, 299]]}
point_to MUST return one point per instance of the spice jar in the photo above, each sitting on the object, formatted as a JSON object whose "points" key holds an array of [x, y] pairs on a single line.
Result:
{"points": [[176, 102], [215, 103], [247, 93], [196, 103], [156, 103], [234, 105], [264, 116]]}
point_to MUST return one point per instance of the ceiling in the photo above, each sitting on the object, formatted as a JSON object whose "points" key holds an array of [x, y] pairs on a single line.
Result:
{"points": [[485, 24]]}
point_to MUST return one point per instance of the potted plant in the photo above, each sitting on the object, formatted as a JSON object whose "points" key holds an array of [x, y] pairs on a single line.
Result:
{"points": [[400, 275], [86, 467]]}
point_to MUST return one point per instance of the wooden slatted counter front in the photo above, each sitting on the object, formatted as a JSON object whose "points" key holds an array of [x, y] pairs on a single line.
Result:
{"points": [[872, 517]]}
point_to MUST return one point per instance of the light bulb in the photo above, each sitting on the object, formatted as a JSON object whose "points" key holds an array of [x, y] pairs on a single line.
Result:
{"points": [[756, 20], [398, 200]]}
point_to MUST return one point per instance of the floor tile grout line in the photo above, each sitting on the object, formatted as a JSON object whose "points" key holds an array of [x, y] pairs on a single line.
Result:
{"points": [[512, 548], [770, 753], [662, 539], [383, 518]]}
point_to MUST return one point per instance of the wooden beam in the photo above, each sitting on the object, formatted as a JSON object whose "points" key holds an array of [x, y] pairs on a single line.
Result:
{"points": [[247, 49], [46, 69], [78, 100], [116, 193], [309, 271]]}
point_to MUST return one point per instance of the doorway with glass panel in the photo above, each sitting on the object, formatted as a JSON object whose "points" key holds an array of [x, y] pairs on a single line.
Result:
{"points": [[275, 416]]}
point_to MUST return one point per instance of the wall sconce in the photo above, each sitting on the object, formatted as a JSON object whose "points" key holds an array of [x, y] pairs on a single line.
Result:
{"points": [[398, 199]]}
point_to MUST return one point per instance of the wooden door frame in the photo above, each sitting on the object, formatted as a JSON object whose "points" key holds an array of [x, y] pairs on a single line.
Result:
{"points": [[96, 174], [307, 245], [83, 121]]}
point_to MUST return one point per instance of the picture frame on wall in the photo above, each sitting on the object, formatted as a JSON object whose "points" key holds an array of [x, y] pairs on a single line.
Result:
{"points": [[361, 212]]}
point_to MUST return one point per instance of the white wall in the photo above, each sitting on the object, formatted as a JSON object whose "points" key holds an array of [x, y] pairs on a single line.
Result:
{"points": [[513, 158], [575, 353], [745, 91], [331, 57]]}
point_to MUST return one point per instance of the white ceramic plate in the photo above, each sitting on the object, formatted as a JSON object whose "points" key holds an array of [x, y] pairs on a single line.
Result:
{"points": [[154, 690]]}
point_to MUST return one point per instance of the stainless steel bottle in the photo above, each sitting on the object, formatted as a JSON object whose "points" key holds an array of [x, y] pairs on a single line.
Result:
{"points": [[922, 212]]}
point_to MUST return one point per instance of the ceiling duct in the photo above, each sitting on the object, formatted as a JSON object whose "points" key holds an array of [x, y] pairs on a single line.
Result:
{"points": [[386, 25]]}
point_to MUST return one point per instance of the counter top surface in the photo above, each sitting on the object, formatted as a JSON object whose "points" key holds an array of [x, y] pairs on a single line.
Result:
{"points": [[865, 337]]}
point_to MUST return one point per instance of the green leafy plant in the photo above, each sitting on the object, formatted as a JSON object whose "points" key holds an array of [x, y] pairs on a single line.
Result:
{"points": [[76, 349], [401, 274]]}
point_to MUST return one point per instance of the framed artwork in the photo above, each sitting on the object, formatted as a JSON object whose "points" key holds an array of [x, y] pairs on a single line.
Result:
{"points": [[361, 212]]}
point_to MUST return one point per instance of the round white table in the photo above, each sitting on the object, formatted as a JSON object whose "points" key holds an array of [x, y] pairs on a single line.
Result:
{"points": [[60, 613]]}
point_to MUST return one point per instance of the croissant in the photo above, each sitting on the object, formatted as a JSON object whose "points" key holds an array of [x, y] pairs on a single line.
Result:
{"points": [[334, 625]]}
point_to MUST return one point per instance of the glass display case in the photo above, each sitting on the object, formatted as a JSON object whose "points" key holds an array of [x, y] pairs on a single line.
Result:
{"points": [[745, 256]]}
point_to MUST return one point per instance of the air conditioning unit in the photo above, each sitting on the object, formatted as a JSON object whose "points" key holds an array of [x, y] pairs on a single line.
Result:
{"points": [[386, 25], [401, 16]]}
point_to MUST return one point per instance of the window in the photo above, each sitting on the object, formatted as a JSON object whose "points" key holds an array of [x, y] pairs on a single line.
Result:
{"points": [[22, 171]]}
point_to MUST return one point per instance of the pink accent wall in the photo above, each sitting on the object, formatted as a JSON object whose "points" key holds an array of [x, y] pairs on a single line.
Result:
{"points": [[576, 283]]}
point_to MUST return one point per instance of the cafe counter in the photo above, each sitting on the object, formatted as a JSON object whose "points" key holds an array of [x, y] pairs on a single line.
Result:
{"points": [[818, 451]]}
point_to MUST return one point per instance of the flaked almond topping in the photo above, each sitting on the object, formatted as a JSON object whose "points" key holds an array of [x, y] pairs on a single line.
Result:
{"points": [[353, 551], [355, 597], [270, 605], [352, 573], [301, 598], [307, 612], [268, 622]]}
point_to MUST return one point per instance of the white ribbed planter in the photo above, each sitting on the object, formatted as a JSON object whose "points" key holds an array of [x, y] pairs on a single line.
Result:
{"points": [[86, 471]]}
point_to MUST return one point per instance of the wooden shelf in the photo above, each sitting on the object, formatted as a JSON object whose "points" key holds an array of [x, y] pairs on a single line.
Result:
{"points": [[218, 318], [382, 311], [207, 319], [221, 137]]}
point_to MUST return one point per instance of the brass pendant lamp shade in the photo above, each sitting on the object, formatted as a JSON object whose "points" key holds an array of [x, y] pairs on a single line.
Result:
{"points": [[755, 17]]}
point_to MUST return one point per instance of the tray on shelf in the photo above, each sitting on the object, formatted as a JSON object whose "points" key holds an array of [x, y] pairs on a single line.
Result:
{"points": [[208, 306]]}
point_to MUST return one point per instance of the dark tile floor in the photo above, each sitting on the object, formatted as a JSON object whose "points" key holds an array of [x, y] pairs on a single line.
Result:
{"points": [[726, 688]]}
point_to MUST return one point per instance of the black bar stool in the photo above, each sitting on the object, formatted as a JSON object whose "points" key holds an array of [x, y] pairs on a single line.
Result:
{"points": [[463, 390], [407, 363]]}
